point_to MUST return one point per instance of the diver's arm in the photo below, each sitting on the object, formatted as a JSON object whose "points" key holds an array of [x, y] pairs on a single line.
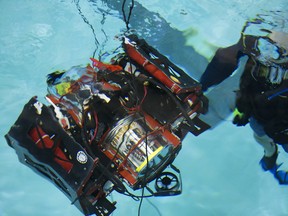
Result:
{"points": [[222, 65]]}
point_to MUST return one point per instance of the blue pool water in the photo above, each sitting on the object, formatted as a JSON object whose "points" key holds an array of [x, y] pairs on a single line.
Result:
{"points": [[220, 171]]}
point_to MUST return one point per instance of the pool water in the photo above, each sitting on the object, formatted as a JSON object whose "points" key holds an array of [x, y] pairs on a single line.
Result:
{"points": [[220, 170]]}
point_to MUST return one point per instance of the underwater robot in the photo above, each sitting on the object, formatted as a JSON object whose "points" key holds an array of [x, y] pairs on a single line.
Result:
{"points": [[113, 126]]}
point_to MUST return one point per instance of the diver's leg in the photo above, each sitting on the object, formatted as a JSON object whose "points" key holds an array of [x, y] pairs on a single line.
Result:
{"points": [[268, 161], [267, 143]]}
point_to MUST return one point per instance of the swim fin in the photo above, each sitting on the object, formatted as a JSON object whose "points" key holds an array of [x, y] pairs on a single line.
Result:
{"points": [[282, 177]]}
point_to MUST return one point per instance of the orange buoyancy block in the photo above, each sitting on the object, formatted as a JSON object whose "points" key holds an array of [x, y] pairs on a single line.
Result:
{"points": [[103, 66], [152, 69], [44, 141]]}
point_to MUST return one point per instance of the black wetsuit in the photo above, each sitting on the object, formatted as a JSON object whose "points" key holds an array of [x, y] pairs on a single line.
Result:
{"points": [[257, 97]]}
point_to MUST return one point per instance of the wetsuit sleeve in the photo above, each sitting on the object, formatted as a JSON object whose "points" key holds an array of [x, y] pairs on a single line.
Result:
{"points": [[222, 65]]}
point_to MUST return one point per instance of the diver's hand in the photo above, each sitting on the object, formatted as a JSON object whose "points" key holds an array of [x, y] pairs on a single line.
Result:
{"points": [[240, 119]]}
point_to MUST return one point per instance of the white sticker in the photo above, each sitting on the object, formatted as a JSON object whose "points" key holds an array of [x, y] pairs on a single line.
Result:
{"points": [[82, 157], [38, 107]]}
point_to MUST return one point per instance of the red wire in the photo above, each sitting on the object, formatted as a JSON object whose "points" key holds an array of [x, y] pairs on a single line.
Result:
{"points": [[138, 107], [96, 126]]}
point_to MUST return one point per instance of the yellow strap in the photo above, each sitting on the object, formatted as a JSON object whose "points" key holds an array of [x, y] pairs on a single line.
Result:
{"points": [[151, 156]]}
